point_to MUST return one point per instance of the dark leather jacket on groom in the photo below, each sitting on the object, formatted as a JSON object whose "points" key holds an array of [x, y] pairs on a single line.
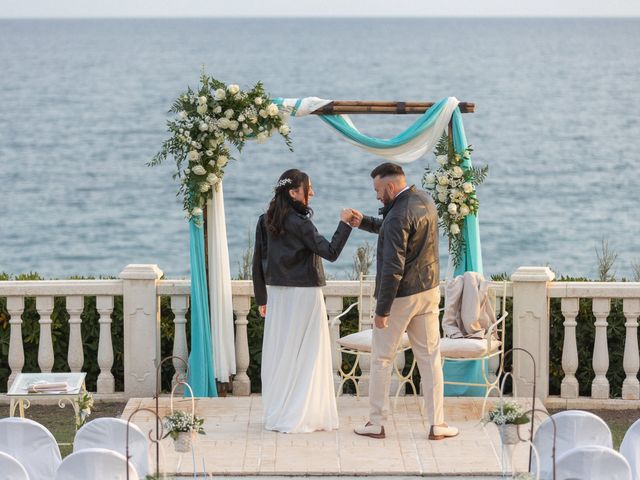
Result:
{"points": [[407, 255]]}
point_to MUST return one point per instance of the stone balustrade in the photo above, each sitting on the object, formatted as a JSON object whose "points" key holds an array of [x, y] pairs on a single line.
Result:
{"points": [[141, 288]]}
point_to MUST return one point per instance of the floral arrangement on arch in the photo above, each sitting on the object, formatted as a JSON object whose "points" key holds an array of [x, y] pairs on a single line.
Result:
{"points": [[208, 121], [453, 187]]}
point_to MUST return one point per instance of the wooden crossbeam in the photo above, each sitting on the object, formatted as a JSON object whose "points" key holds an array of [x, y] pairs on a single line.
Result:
{"points": [[379, 107]]}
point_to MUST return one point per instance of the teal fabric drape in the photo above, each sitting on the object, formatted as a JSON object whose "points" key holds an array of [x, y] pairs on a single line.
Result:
{"points": [[472, 253], [201, 369], [346, 128]]}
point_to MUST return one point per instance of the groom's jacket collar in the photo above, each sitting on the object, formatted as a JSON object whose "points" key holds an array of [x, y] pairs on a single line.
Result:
{"points": [[385, 209]]}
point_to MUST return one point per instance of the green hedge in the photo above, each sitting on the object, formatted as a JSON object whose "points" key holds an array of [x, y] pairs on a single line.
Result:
{"points": [[585, 333]]}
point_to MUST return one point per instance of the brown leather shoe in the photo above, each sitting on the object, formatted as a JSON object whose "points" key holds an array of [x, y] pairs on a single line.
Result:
{"points": [[370, 430]]}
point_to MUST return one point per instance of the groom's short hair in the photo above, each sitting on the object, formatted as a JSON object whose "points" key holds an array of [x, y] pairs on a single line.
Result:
{"points": [[387, 169]]}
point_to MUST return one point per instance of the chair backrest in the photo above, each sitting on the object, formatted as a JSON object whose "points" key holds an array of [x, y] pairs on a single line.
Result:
{"points": [[11, 468], [630, 448], [111, 433], [366, 300], [592, 462], [574, 428], [96, 464], [32, 445]]}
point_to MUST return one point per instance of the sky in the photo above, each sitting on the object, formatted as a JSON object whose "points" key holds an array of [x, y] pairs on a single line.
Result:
{"points": [[317, 8]]}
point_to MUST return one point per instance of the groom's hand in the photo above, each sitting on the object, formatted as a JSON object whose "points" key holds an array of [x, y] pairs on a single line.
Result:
{"points": [[356, 218], [381, 322], [262, 309]]}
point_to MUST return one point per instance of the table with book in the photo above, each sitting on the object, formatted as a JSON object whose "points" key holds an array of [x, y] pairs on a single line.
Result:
{"points": [[63, 387]]}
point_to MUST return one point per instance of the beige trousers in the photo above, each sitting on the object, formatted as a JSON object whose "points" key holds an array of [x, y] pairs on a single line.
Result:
{"points": [[418, 316]]}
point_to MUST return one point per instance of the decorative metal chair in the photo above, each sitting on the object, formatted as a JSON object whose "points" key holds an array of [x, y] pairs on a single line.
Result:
{"points": [[489, 350], [359, 344]]}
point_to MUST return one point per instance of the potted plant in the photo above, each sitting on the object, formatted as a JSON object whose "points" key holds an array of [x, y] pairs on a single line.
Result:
{"points": [[507, 415], [180, 426]]}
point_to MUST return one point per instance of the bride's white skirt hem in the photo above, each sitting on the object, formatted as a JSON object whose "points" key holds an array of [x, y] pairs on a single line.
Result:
{"points": [[298, 394]]}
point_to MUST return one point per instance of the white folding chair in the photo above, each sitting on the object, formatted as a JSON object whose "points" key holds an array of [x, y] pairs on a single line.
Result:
{"points": [[111, 433], [11, 468], [630, 449], [574, 428], [359, 344], [592, 462], [32, 445], [96, 464]]}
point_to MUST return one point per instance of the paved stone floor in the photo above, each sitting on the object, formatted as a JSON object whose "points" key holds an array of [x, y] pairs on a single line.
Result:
{"points": [[236, 444]]}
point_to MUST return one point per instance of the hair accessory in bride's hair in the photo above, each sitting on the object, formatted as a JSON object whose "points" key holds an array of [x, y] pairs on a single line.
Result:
{"points": [[282, 183]]}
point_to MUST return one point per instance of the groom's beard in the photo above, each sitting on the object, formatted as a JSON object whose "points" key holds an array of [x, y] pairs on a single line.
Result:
{"points": [[386, 198]]}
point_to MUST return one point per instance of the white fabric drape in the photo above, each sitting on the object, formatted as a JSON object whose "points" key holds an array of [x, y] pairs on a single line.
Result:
{"points": [[220, 297]]}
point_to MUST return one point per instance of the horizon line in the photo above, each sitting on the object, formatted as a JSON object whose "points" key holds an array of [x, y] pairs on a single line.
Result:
{"points": [[334, 17]]}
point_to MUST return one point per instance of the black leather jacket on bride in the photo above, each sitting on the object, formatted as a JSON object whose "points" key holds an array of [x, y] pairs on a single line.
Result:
{"points": [[293, 259]]}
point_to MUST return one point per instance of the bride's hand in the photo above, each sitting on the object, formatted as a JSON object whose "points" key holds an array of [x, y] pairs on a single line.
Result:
{"points": [[346, 215], [262, 309]]}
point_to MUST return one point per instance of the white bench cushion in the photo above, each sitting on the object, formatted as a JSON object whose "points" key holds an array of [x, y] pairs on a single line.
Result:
{"points": [[361, 341], [466, 347]]}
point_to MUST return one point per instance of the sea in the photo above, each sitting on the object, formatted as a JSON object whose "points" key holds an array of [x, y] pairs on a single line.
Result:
{"points": [[83, 108]]}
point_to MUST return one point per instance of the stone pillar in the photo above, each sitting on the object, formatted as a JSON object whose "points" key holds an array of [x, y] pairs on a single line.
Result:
{"points": [[141, 312], [241, 381], [531, 329]]}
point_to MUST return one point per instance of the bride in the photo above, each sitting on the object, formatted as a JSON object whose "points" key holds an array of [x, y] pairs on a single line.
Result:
{"points": [[297, 381]]}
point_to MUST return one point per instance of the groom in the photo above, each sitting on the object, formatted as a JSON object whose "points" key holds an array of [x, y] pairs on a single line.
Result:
{"points": [[407, 295]]}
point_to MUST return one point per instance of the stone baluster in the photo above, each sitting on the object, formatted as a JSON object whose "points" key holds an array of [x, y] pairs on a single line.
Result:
{"points": [[241, 381], [600, 385], [569, 387], [44, 306], [631, 360], [75, 354], [334, 308], [180, 305], [104, 305], [15, 307]]}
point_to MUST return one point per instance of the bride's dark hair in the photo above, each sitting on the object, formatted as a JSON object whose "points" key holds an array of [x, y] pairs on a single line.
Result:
{"points": [[282, 203]]}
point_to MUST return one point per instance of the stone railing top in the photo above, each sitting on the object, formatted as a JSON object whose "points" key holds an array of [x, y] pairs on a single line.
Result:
{"points": [[62, 288], [594, 290]]}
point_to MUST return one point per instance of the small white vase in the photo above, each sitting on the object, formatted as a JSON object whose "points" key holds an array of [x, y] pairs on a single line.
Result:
{"points": [[509, 434], [182, 444]]}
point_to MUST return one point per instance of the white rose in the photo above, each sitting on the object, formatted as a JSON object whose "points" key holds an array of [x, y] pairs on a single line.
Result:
{"points": [[204, 187], [258, 101], [262, 137], [272, 110], [441, 159], [430, 179], [209, 153], [201, 109], [467, 187], [241, 118], [202, 100], [442, 197], [222, 161], [454, 229], [457, 172], [262, 113], [194, 156], [218, 109], [223, 122], [228, 113], [443, 180], [464, 210], [203, 127], [233, 125], [452, 208], [441, 189], [187, 171], [212, 178], [196, 211], [285, 130], [233, 89], [220, 95], [199, 170], [182, 114]]}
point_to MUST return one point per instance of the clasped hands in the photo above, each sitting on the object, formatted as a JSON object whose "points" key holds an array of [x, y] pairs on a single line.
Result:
{"points": [[351, 217]]}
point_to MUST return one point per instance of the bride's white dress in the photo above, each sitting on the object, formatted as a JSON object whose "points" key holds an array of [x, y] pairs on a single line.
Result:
{"points": [[297, 380]]}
